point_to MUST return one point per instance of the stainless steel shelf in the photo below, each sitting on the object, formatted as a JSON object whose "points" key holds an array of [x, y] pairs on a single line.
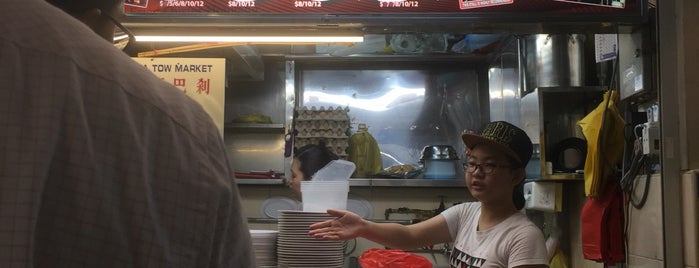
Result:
{"points": [[261, 181], [274, 221], [560, 177], [407, 182], [257, 128], [359, 182]]}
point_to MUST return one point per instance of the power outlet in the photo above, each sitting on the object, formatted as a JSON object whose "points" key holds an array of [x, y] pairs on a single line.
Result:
{"points": [[651, 138]]}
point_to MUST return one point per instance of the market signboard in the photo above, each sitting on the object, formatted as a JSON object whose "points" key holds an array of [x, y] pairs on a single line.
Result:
{"points": [[443, 7], [202, 79]]}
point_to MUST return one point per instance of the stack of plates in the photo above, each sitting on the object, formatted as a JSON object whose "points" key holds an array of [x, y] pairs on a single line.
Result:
{"points": [[296, 249], [264, 244]]}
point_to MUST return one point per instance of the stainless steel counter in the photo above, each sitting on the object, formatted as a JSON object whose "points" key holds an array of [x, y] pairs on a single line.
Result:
{"points": [[408, 182], [373, 182], [274, 221]]}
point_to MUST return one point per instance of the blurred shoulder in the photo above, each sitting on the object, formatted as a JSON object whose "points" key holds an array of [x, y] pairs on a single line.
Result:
{"points": [[54, 45]]}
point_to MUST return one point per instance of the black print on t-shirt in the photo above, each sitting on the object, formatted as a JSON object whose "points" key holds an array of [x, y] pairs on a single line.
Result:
{"points": [[460, 259]]}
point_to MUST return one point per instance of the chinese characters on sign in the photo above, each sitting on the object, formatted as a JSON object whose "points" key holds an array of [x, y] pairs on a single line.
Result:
{"points": [[203, 86], [202, 79]]}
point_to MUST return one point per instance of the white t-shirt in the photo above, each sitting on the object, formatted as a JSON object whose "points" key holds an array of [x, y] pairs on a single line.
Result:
{"points": [[514, 242]]}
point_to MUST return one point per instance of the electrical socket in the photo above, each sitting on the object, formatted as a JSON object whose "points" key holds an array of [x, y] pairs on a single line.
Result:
{"points": [[651, 138]]}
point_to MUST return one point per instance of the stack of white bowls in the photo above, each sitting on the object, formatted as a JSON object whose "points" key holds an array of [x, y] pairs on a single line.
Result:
{"points": [[264, 243], [296, 249]]}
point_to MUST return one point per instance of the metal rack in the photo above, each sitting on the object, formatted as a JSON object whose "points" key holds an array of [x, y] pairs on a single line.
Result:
{"points": [[372, 182]]}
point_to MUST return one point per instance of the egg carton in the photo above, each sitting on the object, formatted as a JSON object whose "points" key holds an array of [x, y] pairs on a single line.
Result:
{"points": [[322, 133], [329, 124], [330, 114], [336, 126], [334, 142]]}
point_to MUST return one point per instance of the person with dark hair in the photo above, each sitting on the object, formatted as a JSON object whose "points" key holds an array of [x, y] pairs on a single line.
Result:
{"points": [[103, 163], [102, 16], [307, 161], [492, 232]]}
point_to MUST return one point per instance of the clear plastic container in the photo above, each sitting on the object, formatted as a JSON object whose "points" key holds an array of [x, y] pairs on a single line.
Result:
{"points": [[321, 195], [336, 170]]}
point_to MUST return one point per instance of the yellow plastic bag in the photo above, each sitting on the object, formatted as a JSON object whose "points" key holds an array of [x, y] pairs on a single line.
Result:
{"points": [[601, 159], [364, 152], [559, 260]]}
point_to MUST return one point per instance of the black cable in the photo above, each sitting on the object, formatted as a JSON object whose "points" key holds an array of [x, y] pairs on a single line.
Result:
{"points": [[600, 136], [644, 197], [628, 178]]}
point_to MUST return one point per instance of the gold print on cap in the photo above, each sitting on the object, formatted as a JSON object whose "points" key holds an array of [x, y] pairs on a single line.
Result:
{"points": [[499, 132]]}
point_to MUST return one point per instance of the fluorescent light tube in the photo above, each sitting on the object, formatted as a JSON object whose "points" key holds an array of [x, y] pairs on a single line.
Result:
{"points": [[252, 39]]}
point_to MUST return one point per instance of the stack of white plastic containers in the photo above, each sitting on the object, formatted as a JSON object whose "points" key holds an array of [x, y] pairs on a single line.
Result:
{"points": [[264, 243], [328, 188]]}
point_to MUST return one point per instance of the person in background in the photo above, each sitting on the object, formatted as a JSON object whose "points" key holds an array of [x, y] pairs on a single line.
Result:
{"points": [[103, 163], [492, 232], [307, 161]]}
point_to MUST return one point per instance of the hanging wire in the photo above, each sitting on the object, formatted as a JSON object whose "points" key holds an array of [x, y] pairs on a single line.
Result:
{"points": [[600, 136], [628, 179]]}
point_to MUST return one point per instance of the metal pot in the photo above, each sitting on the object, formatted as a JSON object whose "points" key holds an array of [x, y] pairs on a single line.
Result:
{"points": [[550, 60]]}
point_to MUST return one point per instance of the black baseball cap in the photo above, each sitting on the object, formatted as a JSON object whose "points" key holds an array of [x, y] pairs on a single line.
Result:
{"points": [[505, 136]]}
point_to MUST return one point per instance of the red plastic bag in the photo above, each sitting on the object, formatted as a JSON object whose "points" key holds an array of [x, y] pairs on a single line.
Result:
{"points": [[392, 258], [602, 226]]}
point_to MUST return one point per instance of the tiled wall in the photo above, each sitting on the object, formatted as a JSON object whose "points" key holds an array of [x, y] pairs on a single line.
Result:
{"points": [[690, 217], [645, 231]]}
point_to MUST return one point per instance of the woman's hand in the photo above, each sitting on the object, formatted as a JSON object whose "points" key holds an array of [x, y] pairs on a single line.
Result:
{"points": [[345, 226]]}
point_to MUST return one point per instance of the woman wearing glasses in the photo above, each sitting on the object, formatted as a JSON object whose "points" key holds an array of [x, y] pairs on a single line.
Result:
{"points": [[489, 233]]}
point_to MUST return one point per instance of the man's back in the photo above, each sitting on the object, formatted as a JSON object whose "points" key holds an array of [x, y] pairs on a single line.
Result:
{"points": [[102, 164]]}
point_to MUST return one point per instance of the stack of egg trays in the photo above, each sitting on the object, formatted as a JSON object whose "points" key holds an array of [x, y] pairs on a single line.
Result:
{"points": [[330, 124]]}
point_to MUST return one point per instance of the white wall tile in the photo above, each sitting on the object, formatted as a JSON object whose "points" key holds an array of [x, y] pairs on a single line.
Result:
{"points": [[645, 233], [690, 217], [642, 262]]}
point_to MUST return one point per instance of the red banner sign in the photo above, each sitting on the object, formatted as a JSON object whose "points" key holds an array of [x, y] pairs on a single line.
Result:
{"points": [[374, 6]]}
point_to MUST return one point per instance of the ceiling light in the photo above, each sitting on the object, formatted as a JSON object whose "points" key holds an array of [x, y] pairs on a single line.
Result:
{"points": [[252, 39]]}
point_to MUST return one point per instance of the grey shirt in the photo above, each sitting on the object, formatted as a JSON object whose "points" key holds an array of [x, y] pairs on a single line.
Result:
{"points": [[102, 164]]}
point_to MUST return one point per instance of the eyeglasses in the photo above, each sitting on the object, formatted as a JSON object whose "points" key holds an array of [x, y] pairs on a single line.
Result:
{"points": [[486, 168], [122, 36]]}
